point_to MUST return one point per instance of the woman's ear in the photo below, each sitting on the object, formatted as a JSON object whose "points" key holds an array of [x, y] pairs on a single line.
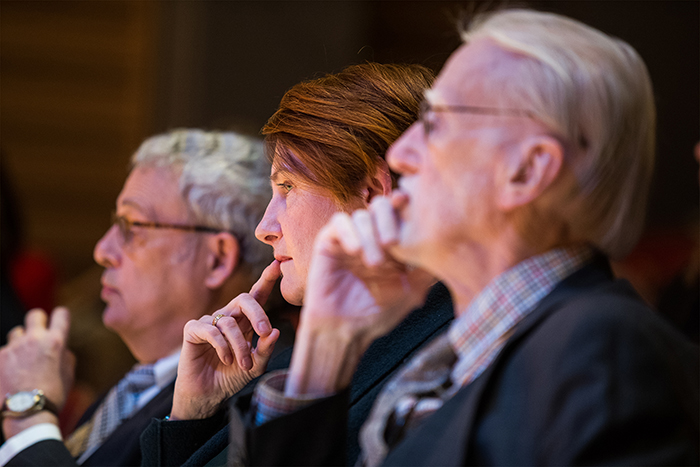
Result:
{"points": [[530, 172], [223, 253], [379, 183]]}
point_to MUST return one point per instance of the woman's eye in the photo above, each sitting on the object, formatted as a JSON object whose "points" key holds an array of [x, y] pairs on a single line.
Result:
{"points": [[287, 187]]}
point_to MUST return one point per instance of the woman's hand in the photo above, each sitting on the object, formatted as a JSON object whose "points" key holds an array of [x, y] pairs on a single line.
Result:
{"points": [[217, 358]]}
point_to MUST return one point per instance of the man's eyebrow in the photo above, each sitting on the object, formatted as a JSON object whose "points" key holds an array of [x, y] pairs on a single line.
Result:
{"points": [[148, 211]]}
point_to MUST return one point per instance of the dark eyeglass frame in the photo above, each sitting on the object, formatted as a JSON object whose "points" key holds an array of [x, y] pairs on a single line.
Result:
{"points": [[124, 225], [426, 107]]}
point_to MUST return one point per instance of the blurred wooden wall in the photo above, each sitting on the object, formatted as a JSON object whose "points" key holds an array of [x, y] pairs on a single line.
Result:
{"points": [[76, 88], [83, 82]]}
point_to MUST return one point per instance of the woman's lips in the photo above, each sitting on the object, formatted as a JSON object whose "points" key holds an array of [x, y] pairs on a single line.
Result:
{"points": [[107, 291]]}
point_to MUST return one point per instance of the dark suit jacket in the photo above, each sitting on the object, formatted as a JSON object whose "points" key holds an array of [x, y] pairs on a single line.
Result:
{"points": [[591, 376], [121, 448], [163, 443]]}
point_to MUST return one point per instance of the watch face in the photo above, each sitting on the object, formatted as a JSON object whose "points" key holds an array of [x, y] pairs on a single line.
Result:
{"points": [[20, 402]]}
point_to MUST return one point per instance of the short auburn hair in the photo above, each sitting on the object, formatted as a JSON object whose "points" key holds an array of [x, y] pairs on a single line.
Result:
{"points": [[333, 131]]}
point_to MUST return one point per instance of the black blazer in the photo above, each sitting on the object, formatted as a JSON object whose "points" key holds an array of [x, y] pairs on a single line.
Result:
{"points": [[163, 443], [591, 376], [121, 448]]}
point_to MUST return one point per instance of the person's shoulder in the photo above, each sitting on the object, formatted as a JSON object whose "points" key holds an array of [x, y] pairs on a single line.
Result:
{"points": [[611, 323], [611, 307]]}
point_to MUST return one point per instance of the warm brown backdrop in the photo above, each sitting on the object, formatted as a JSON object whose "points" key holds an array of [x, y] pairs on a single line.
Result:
{"points": [[82, 82]]}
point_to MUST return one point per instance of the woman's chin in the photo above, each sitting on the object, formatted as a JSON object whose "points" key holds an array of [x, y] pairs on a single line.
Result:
{"points": [[292, 292]]}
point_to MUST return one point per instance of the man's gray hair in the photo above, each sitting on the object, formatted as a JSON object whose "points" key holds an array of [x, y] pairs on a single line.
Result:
{"points": [[594, 92], [225, 180]]}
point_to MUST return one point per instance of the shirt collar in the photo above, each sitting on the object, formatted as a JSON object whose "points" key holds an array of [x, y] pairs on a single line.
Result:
{"points": [[165, 369], [480, 332]]}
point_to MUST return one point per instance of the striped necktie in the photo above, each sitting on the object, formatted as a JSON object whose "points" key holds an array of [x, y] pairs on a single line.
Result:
{"points": [[119, 405]]}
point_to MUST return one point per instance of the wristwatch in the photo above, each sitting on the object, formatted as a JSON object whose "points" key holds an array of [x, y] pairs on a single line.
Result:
{"points": [[25, 403]]}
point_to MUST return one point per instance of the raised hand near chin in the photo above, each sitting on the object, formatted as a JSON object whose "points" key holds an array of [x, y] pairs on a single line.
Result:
{"points": [[356, 292], [354, 282], [36, 357], [217, 358]]}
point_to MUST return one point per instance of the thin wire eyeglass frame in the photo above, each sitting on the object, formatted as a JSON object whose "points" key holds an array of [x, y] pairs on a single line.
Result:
{"points": [[426, 107], [125, 226]]}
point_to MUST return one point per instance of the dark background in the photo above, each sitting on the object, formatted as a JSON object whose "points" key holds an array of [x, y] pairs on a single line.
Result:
{"points": [[82, 83]]}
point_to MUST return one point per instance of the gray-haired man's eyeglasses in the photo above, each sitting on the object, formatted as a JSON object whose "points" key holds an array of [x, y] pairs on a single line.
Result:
{"points": [[125, 226]]}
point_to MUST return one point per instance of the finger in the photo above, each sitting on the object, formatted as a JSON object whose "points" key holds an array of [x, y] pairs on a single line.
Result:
{"points": [[232, 310], [253, 314], [385, 219], [341, 229], [263, 287], [60, 321], [35, 318], [364, 225], [198, 332], [266, 345], [15, 333], [209, 320], [236, 341], [399, 200]]}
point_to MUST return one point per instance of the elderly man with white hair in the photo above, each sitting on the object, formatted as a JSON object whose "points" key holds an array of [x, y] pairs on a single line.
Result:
{"points": [[182, 245], [528, 169]]}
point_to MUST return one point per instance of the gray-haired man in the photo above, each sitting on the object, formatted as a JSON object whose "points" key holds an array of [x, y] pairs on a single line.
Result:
{"points": [[182, 245]]}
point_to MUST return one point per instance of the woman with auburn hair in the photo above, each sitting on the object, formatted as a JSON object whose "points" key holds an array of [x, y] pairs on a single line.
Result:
{"points": [[327, 143]]}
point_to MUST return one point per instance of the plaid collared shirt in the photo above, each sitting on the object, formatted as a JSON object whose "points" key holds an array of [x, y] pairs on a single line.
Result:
{"points": [[483, 329], [476, 336]]}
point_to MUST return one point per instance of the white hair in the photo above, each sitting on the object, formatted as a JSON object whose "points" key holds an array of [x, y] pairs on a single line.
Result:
{"points": [[594, 92], [224, 178]]}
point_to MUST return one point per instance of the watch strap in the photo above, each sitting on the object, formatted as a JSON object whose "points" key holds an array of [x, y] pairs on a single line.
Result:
{"points": [[42, 403], [50, 406]]}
